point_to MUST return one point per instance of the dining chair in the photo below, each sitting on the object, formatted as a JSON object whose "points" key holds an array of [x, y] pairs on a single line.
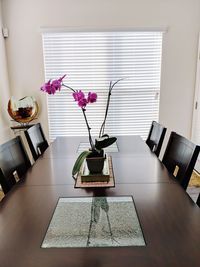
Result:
{"points": [[6, 184], [180, 157], [155, 137], [36, 140], [198, 200], [14, 163]]}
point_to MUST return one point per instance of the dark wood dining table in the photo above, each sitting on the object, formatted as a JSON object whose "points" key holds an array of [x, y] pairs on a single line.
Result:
{"points": [[169, 219]]}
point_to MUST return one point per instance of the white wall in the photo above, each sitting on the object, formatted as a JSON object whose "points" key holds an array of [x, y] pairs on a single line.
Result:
{"points": [[24, 45], [5, 131]]}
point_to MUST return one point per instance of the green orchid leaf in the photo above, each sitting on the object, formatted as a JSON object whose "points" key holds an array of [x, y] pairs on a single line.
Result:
{"points": [[104, 142], [79, 162], [105, 135]]}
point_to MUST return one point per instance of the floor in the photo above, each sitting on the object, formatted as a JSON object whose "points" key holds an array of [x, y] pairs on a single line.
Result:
{"points": [[1, 195], [194, 186], [193, 191]]}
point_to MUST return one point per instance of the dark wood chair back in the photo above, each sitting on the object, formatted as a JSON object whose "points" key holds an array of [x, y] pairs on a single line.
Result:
{"points": [[36, 140], [156, 136], [14, 163], [6, 183], [198, 200], [180, 157]]}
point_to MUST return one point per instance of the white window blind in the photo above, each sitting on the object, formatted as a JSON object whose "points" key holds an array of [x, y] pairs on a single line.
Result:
{"points": [[91, 60]]}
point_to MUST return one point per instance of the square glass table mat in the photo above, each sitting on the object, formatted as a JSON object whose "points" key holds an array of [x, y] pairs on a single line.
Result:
{"points": [[84, 146], [94, 222]]}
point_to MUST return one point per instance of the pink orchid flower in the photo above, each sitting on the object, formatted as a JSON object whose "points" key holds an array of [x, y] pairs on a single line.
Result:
{"points": [[92, 97], [78, 95], [82, 102], [48, 88], [52, 86]]}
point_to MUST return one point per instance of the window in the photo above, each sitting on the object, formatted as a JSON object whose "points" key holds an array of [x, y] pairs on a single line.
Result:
{"points": [[91, 60]]}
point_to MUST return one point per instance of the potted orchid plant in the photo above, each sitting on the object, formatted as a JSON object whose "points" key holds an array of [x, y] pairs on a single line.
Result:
{"points": [[95, 154]]}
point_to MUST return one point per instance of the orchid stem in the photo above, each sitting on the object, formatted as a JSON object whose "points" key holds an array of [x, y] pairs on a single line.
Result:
{"points": [[101, 132], [69, 87], [88, 127], [87, 124]]}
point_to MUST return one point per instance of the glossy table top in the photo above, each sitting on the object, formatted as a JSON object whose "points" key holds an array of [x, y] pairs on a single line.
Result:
{"points": [[134, 163], [169, 219]]}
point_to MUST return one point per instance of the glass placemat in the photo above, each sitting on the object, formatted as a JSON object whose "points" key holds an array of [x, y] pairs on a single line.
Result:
{"points": [[94, 222], [85, 146]]}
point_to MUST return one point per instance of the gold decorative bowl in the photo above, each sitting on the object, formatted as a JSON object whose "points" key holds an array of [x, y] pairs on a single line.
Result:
{"points": [[23, 110]]}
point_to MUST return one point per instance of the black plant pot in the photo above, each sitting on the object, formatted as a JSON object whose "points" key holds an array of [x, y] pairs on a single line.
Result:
{"points": [[95, 162]]}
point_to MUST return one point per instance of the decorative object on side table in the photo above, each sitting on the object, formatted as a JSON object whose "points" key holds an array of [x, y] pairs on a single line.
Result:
{"points": [[23, 110], [95, 156]]}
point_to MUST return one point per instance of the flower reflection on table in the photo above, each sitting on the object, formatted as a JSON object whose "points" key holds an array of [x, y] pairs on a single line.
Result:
{"points": [[99, 204]]}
